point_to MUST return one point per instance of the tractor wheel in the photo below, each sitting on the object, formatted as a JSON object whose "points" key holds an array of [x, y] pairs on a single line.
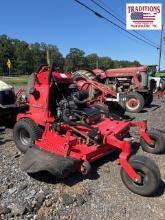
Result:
{"points": [[116, 108], [112, 110], [92, 90], [103, 108], [78, 77], [135, 102], [148, 99], [149, 176], [85, 74], [25, 133], [158, 145]]}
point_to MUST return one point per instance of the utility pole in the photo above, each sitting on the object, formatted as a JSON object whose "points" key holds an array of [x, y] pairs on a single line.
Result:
{"points": [[97, 64], [48, 56], [160, 48]]}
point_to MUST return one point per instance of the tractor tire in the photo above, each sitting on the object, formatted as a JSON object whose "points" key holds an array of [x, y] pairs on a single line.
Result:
{"points": [[85, 74], [158, 143], [25, 133], [148, 99], [78, 77], [116, 108], [109, 112], [103, 108], [92, 90], [135, 102], [149, 173]]}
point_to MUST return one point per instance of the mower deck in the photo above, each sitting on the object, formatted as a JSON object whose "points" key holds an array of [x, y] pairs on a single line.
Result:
{"points": [[111, 131]]}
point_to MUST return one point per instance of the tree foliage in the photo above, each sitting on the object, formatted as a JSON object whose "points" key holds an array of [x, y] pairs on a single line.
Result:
{"points": [[75, 59], [26, 58]]}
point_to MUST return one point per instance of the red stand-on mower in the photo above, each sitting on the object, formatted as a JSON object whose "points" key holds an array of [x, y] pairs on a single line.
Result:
{"points": [[61, 133]]}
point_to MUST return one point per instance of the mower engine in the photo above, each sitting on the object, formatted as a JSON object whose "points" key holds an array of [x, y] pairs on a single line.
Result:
{"points": [[74, 111]]}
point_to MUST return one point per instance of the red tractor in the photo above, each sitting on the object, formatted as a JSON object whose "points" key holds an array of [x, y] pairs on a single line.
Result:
{"points": [[61, 133], [133, 80], [105, 98]]}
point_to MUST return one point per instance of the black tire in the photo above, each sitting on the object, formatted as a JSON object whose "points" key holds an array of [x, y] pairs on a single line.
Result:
{"points": [[92, 90], [149, 172], [25, 133], [103, 108], [116, 108], [148, 99], [86, 73], [78, 77], [135, 102], [113, 110], [159, 143]]}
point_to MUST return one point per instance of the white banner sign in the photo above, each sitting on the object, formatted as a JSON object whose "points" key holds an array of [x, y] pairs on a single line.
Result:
{"points": [[144, 16]]}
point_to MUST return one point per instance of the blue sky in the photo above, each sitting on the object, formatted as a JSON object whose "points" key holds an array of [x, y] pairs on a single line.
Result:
{"points": [[66, 24]]}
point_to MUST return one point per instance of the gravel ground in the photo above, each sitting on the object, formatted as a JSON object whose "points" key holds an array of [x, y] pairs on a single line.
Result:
{"points": [[102, 196]]}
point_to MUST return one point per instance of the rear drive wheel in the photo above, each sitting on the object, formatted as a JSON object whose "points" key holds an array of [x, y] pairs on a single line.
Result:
{"points": [[86, 74], [158, 145], [25, 133], [103, 108], [92, 90], [116, 108], [148, 98], [135, 102], [149, 176]]}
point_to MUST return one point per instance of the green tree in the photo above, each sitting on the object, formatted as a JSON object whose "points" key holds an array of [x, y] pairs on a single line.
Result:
{"points": [[106, 63], [6, 52], [22, 57], [26, 58], [136, 63], [125, 63], [75, 60], [56, 56], [92, 61], [35, 49]]}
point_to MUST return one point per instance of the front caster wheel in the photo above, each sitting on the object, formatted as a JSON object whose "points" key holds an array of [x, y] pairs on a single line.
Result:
{"points": [[158, 145], [149, 176]]}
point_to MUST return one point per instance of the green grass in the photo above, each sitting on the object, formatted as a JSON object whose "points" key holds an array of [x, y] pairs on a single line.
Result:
{"points": [[15, 80]]}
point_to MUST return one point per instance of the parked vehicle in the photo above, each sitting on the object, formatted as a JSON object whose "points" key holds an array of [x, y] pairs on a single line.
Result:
{"points": [[62, 134], [133, 80], [10, 103], [159, 78]]}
